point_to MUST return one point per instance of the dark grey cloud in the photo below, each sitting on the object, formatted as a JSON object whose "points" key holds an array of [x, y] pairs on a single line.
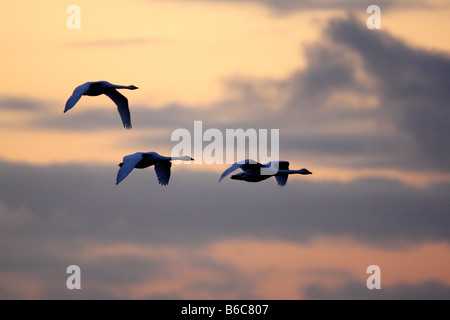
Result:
{"points": [[354, 290], [14, 103], [398, 116], [332, 69], [79, 201], [172, 116], [91, 118], [51, 214], [287, 6], [400, 103], [304, 133], [121, 270], [88, 117], [411, 82]]}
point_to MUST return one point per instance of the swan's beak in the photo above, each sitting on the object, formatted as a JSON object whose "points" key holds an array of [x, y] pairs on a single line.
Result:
{"points": [[192, 159]]}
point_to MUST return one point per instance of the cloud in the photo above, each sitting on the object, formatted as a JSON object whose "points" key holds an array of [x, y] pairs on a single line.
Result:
{"points": [[412, 84], [287, 6], [86, 203], [357, 290], [21, 104], [61, 215], [366, 96], [95, 118]]}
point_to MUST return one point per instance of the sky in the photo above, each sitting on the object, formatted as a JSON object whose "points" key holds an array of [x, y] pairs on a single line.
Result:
{"points": [[365, 110]]}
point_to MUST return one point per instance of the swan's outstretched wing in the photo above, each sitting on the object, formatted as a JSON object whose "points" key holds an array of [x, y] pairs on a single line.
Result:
{"points": [[282, 179], [235, 166], [280, 165], [244, 165], [122, 106], [129, 162], [76, 95], [162, 170]]}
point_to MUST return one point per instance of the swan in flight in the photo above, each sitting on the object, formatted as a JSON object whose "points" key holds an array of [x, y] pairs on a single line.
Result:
{"points": [[103, 87], [141, 160], [253, 171]]}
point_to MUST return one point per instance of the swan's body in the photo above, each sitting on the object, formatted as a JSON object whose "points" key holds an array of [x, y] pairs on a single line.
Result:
{"points": [[252, 171], [103, 87], [141, 160]]}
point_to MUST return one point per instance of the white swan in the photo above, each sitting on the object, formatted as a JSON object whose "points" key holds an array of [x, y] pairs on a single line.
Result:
{"points": [[141, 160], [251, 171], [103, 87]]}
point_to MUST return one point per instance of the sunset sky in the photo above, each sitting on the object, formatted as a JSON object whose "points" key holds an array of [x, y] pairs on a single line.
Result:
{"points": [[367, 111]]}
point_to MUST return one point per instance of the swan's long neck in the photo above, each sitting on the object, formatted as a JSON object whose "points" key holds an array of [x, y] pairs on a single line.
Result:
{"points": [[301, 171], [124, 87], [184, 158]]}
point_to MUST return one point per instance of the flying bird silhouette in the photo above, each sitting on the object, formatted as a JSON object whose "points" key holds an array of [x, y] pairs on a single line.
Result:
{"points": [[103, 87], [141, 160], [252, 171]]}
